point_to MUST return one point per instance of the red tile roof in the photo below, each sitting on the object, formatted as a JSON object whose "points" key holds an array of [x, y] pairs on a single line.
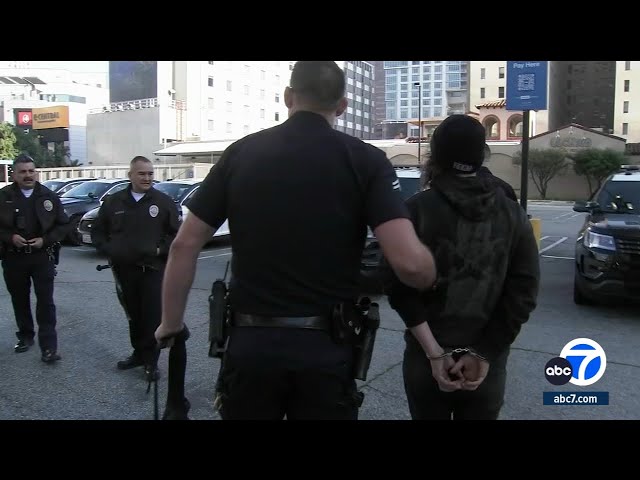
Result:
{"points": [[496, 104]]}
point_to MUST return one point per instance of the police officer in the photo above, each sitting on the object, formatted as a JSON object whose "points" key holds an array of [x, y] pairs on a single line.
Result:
{"points": [[135, 228], [298, 197], [32, 223]]}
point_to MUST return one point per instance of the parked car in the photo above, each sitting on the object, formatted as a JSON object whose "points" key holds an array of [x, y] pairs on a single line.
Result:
{"points": [[607, 255], [179, 190], [63, 185], [79, 200], [370, 282]]}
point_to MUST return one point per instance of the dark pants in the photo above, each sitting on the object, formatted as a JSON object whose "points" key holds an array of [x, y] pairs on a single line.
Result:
{"points": [[141, 298], [428, 402], [270, 373], [19, 269]]}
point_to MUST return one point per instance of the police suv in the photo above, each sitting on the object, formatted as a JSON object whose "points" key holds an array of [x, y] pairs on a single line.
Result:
{"points": [[607, 258]]}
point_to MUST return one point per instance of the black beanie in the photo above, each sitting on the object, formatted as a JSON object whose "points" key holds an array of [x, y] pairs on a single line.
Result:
{"points": [[458, 143]]}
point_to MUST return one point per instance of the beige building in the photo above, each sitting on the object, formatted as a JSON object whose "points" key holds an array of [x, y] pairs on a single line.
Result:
{"points": [[626, 122], [488, 84]]}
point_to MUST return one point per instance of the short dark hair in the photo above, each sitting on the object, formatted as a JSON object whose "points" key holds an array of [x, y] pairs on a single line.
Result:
{"points": [[139, 158], [23, 158], [320, 84]]}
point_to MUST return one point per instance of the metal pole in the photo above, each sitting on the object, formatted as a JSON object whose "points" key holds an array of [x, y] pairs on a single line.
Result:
{"points": [[419, 85], [524, 172]]}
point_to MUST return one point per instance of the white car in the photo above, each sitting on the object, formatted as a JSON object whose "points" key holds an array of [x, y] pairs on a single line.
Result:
{"points": [[181, 191]]}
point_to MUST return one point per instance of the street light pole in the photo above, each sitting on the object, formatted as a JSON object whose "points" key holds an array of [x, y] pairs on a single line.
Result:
{"points": [[419, 85]]}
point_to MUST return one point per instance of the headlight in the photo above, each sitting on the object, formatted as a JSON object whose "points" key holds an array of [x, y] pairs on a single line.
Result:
{"points": [[597, 240]]}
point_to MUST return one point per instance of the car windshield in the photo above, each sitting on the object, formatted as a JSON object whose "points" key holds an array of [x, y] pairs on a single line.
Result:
{"points": [[88, 189], [409, 186], [177, 191], [53, 185], [619, 196]]}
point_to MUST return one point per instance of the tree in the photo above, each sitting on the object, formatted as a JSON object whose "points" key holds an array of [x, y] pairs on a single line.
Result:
{"points": [[543, 166], [29, 143], [8, 149], [596, 165]]}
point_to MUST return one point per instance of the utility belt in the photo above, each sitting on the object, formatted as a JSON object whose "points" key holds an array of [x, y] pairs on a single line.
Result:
{"points": [[350, 323], [52, 251]]}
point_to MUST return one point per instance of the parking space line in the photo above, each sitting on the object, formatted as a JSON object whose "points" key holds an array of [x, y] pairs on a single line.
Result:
{"points": [[554, 244], [214, 256], [563, 215], [554, 256], [544, 238]]}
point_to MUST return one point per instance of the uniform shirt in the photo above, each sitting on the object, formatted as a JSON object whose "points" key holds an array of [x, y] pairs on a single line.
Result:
{"points": [[27, 223], [298, 198], [130, 232]]}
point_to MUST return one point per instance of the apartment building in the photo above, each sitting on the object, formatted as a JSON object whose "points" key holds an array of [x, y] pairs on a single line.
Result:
{"points": [[626, 118], [358, 120], [488, 86], [424, 92]]}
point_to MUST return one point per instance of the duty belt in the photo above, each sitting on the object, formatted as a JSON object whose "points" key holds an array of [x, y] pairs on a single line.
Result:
{"points": [[313, 323]]}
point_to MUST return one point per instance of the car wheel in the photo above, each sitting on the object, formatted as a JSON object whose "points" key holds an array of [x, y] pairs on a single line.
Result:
{"points": [[73, 237], [578, 297]]}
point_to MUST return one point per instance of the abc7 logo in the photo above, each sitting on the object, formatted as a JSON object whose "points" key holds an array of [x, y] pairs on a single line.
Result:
{"points": [[558, 371]]}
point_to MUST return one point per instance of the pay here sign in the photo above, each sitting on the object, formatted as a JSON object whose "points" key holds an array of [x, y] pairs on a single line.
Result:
{"points": [[527, 85]]}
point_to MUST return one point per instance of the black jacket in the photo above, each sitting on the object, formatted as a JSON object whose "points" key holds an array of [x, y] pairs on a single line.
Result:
{"points": [[487, 261], [130, 232], [506, 188], [54, 223]]}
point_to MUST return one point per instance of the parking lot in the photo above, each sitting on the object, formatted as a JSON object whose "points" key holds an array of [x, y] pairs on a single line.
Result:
{"points": [[93, 336]]}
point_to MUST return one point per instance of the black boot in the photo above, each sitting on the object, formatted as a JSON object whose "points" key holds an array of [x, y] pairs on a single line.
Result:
{"points": [[177, 411], [132, 361]]}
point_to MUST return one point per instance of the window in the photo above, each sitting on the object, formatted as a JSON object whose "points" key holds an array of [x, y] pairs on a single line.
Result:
{"points": [[262, 94], [483, 73], [500, 73], [625, 107], [625, 129], [404, 113], [210, 63], [437, 112], [277, 98], [228, 85], [276, 117], [211, 104], [263, 74], [229, 127], [262, 113], [246, 89], [627, 85], [404, 103], [210, 81], [627, 65], [500, 92], [229, 106], [414, 113], [210, 125]]}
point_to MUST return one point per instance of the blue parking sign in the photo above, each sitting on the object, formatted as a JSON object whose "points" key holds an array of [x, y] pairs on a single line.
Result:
{"points": [[527, 85]]}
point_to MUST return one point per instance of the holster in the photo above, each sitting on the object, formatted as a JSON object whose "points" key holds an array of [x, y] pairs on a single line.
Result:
{"points": [[357, 324], [219, 316], [54, 252]]}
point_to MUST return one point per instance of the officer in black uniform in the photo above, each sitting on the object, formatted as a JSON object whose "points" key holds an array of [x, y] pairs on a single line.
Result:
{"points": [[135, 228], [299, 197], [32, 224]]}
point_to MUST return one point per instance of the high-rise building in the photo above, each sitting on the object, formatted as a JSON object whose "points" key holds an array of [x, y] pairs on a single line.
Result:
{"points": [[358, 120], [425, 91], [582, 92], [626, 122]]}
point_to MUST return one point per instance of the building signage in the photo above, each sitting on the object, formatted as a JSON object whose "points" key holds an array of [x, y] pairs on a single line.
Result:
{"points": [[570, 142], [23, 118], [51, 117]]}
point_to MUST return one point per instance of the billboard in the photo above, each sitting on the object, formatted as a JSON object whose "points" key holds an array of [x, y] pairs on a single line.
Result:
{"points": [[24, 117], [51, 117], [132, 81]]}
